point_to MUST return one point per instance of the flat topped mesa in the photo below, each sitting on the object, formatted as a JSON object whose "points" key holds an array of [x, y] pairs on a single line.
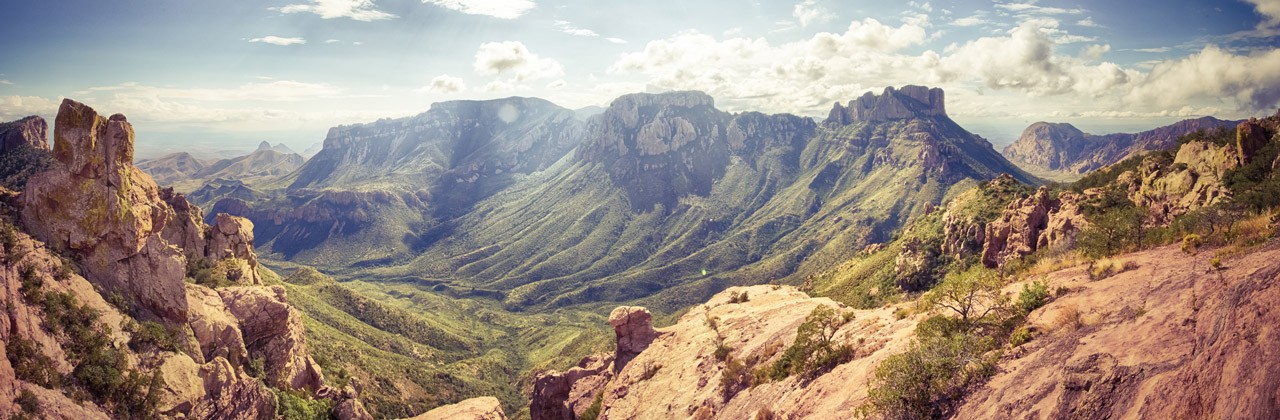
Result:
{"points": [[894, 104]]}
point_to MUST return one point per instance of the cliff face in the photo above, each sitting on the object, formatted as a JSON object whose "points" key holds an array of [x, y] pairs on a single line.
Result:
{"points": [[1063, 147], [30, 131], [132, 242]]}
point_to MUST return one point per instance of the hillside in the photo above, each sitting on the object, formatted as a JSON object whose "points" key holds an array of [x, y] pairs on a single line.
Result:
{"points": [[1061, 148]]}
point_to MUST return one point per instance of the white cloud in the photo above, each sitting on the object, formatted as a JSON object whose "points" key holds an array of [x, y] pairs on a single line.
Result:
{"points": [[275, 40], [513, 59], [501, 9], [1152, 50], [15, 107], [1094, 52], [331, 41], [568, 28], [499, 86], [1025, 61], [970, 21], [361, 10], [1212, 74], [926, 7], [808, 11], [1031, 8], [444, 84], [5, 82], [1088, 23], [616, 40], [1270, 11]]}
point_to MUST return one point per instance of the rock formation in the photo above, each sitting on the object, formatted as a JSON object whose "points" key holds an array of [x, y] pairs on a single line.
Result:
{"points": [[565, 395], [30, 131], [1192, 180], [132, 242], [1031, 224], [893, 104], [633, 327]]}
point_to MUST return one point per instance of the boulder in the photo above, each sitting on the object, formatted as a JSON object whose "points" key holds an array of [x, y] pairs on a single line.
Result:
{"points": [[565, 395], [231, 238], [228, 395], [31, 131]]}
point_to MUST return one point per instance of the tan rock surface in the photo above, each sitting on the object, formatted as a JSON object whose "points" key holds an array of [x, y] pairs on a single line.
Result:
{"points": [[479, 408], [273, 331]]}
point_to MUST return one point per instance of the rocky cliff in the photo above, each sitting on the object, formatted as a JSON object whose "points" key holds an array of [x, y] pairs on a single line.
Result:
{"points": [[893, 104], [1063, 147], [30, 131], [201, 347]]}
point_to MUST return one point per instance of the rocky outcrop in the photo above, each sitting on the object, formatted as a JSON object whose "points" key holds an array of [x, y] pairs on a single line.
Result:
{"points": [[96, 204], [273, 332], [31, 131], [1034, 223], [633, 327], [231, 239], [479, 408], [1194, 179], [1064, 148], [893, 104]]}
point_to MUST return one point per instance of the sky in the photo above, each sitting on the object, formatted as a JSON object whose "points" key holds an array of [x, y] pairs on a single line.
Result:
{"points": [[203, 76]]}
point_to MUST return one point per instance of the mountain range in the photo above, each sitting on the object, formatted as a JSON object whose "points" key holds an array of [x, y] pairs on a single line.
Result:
{"points": [[185, 172], [654, 198]]}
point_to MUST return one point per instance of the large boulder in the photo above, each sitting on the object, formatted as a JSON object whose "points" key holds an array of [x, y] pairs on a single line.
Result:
{"points": [[565, 395], [633, 326], [95, 204]]}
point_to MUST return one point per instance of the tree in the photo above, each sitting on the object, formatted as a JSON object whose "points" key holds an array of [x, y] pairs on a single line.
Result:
{"points": [[971, 295]]}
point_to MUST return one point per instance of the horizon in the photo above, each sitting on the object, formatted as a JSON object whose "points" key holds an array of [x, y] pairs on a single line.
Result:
{"points": [[209, 77]]}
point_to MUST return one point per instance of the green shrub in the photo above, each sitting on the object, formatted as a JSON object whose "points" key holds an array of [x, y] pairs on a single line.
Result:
{"points": [[929, 378], [734, 378], [28, 402], [153, 335], [1216, 263], [297, 405], [1191, 244], [30, 283], [593, 412], [814, 350], [722, 351], [1020, 336], [255, 367], [1033, 296], [31, 364]]}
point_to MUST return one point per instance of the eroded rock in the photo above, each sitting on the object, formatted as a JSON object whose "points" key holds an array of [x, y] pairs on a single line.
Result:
{"points": [[31, 131]]}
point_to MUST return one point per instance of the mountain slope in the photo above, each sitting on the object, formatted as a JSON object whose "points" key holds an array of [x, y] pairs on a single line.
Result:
{"points": [[186, 173], [1064, 148]]}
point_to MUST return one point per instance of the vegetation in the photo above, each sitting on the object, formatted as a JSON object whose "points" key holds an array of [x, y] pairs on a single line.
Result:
{"points": [[17, 165], [151, 335], [297, 405], [1033, 296], [971, 295], [593, 412], [1113, 229], [28, 402], [814, 350]]}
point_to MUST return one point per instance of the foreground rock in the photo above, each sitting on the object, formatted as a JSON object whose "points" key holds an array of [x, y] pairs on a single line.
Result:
{"points": [[132, 242], [479, 408]]}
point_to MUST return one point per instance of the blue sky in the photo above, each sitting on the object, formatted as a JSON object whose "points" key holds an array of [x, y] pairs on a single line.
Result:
{"points": [[226, 75]]}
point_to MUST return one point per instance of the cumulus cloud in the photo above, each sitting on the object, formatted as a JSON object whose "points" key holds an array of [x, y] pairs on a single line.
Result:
{"points": [[969, 21], [275, 40], [1213, 73], [445, 84], [361, 10], [1030, 8], [1026, 61], [15, 107], [808, 11], [501, 9], [513, 59], [1270, 11]]}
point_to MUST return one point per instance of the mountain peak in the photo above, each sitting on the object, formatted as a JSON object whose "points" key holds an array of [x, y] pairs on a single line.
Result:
{"points": [[264, 145], [893, 104], [686, 99]]}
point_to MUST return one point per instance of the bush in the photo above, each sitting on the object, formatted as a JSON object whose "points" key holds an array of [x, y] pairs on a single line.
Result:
{"points": [[738, 297], [1216, 263], [28, 402], [1108, 267], [1191, 244], [31, 364], [1033, 296], [929, 378], [30, 283], [1020, 336], [593, 412], [814, 350], [297, 405], [1112, 230], [153, 335], [722, 351], [734, 378]]}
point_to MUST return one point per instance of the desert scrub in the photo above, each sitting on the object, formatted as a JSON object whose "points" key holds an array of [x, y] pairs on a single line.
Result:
{"points": [[930, 378], [814, 350], [971, 295], [1033, 296], [1191, 244], [738, 297], [297, 405], [152, 335], [593, 412], [1108, 267]]}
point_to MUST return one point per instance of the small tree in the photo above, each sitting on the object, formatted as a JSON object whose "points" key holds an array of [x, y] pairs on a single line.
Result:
{"points": [[814, 350], [971, 295]]}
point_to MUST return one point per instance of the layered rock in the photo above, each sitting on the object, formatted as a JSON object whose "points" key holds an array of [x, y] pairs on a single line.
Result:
{"points": [[479, 408], [1037, 222], [893, 104], [31, 131]]}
